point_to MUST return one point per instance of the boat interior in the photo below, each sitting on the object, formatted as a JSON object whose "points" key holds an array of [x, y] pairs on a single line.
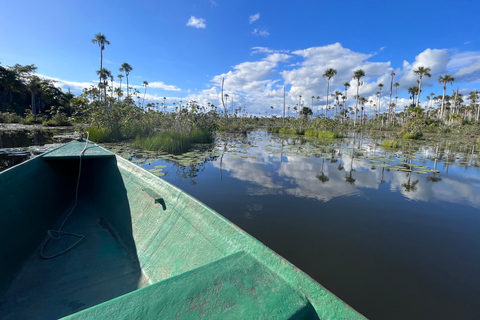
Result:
{"points": [[130, 246]]}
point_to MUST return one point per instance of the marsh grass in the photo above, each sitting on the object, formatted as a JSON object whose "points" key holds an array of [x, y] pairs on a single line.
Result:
{"points": [[412, 135], [322, 134], [172, 141]]}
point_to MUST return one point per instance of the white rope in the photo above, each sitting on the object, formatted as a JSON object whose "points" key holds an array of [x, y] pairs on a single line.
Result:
{"points": [[51, 233]]}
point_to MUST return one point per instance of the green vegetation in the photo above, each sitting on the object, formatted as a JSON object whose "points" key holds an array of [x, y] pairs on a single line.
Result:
{"points": [[391, 143], [174, 142], [322, 134], [412, 135], [114, 114]]}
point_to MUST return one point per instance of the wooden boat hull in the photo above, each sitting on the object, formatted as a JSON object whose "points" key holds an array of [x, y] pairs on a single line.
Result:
{"points": [[150, 250]]}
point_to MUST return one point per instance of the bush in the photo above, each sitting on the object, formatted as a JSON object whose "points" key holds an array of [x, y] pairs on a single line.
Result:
{"points": [[8, 117], [57, 120]]}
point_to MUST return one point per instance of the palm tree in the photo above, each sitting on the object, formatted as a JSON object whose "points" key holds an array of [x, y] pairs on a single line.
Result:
{"points": [[318, 101], [126, 68], [357, 74], [346, 85], [101, 40], [392, 74], [413, 91], [421, 71], [380, 87], [145, 84], [329, 74], [396, 85], [104, 75], [120, 76], [445, 79]]}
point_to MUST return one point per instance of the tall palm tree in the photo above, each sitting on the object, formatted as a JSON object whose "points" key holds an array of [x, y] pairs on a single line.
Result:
{"points": [[396, 85], [101, 40], [413, 91], [380, 87], [145, 84], [329, 74], [346, 85], [357, 75], [318, 101], [104, 75], [120, 76], [445, 79], [392, 74], [362, 101], [126, 68], [421, 71]]}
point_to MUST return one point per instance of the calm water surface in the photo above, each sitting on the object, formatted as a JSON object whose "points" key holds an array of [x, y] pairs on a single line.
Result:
{"points": [[396, 235], [392, 244]]}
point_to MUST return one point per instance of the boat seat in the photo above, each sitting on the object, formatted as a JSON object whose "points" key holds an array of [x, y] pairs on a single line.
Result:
{"points": [[235, 287]]}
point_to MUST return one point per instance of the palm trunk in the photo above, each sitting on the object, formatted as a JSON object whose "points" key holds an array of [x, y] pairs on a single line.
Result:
{"points": [[442, 112], [419, 90], [356, 105], [34, 109], [326, 106], [127, 87], [144, 94]]}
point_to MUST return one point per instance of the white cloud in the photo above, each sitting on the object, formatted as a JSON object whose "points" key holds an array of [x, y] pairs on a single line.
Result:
{"points": [[254, 17], [260, 33], [65, 84], [436, 59], [266, 50], [197, 22], [466, 66], [161, 85]]}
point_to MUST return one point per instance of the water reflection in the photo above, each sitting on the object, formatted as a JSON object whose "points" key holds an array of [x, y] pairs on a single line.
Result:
{"points": [[326, 170]]}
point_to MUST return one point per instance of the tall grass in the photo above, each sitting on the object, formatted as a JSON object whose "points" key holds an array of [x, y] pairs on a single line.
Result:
{"points": [[173, 142], [322, 134]]}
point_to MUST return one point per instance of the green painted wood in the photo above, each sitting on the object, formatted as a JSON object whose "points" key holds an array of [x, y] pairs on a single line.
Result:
{"points": [[235, 287], [161, 242], [74, 148]]}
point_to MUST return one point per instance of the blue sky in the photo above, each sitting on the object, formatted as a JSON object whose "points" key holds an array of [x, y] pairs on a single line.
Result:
{"points": [[258, 46]]}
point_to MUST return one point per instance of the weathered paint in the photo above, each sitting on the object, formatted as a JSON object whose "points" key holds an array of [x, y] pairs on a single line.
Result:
{"points": [[178, 258]]}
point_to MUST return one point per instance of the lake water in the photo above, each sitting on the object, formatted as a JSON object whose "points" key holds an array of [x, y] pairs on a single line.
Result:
{"points": [[396, 235]]}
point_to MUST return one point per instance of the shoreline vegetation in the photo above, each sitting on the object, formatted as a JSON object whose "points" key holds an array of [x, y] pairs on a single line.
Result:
{"points": [[112, 113]]}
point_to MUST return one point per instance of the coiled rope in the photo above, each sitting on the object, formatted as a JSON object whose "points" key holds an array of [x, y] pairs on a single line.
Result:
{"points": [[57, 234]]}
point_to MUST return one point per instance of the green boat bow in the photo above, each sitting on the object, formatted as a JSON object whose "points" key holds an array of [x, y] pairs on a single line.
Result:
{"points": [[149, 250]]}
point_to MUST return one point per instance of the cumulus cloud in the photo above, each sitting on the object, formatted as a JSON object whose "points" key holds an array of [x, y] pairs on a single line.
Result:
{"points": [[161, 85], [65, 84], [260, 33], [254, 17], [466, 66], [436, 59], [307, 80], [198, 23]]}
